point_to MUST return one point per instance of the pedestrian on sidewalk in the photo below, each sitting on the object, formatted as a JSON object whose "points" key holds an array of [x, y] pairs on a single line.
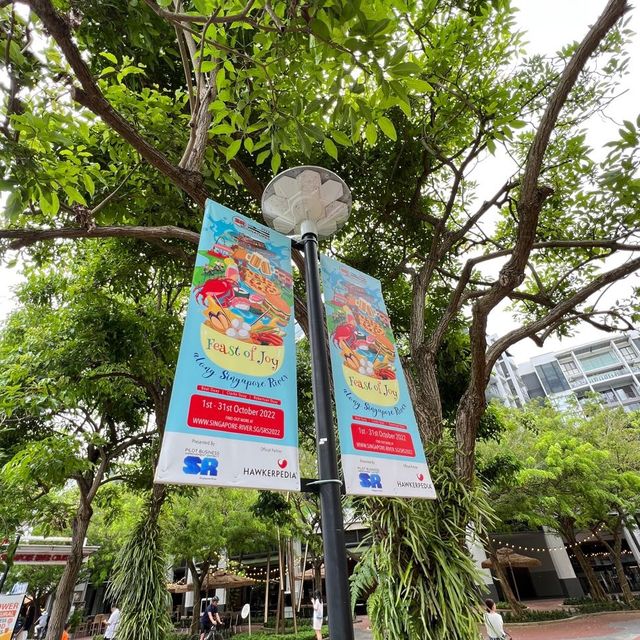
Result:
{"points": [[318, 614], [493, 622], [112, 623], [41, 625]]}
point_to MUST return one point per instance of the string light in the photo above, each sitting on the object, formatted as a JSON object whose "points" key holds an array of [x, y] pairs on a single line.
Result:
{"points": [[543, 549]]}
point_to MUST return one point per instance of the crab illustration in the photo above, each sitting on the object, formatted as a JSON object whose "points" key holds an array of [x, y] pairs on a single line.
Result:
{"points": [[223, 289]]}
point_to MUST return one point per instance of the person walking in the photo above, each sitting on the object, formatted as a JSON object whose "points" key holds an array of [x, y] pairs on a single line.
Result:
{"points": [[112, 623], [318, 614], [493, 622]]}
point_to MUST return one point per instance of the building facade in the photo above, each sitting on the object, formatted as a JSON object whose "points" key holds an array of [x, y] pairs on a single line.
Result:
{"points": [[608, 368]]}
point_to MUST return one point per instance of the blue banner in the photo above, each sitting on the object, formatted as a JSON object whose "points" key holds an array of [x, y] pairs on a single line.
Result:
{"points": [[233, 414], [382, 453]]}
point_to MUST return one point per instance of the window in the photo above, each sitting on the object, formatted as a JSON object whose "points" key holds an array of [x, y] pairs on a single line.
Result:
{"points": [[598, 361], [626, 393], [533, 385], [609, 396], [552, 378], [570, 368], [628, 352]]}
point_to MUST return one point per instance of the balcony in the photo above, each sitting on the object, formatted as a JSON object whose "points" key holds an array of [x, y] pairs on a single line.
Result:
{"points": [[608, 375]]}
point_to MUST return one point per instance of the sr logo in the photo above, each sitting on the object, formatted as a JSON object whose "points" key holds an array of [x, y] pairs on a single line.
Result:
{"points": [[370, 480], [196, 466]]}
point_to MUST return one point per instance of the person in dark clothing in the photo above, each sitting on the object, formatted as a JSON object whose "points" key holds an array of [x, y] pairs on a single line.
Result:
{"points": [[210, 617]]}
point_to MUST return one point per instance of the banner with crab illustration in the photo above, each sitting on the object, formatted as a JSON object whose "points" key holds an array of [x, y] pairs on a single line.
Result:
{"points": [[233, 414], [381, 449]]}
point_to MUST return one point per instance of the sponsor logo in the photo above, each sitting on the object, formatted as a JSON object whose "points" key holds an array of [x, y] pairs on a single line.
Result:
{"points": [[370, 480], [414, 485], [282, 464], [197, 466], [420, 477], [270, 473]]}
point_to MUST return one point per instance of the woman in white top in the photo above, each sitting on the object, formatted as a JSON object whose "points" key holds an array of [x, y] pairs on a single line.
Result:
{"points": [[112, 623], [318, 614], [493, 622]]}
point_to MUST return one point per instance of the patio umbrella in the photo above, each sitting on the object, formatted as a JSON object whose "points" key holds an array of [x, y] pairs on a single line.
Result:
{"points": [[179, 587], [309, 574], [510, 558], [219, 579], [223, 579]]}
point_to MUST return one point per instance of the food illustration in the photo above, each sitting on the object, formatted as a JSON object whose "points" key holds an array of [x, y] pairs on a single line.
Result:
{"points": [[246, 291], [360, 329]]}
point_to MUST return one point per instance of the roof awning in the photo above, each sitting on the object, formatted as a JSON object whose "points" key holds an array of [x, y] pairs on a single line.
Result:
{"points": [[40, 554]]}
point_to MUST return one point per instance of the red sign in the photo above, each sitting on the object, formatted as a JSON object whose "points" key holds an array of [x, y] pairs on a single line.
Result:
{"points": [[231, 416], [378, 440]]}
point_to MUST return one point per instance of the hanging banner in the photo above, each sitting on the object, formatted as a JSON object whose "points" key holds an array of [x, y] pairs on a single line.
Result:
{"points": [[381, 449], [9, 610], [233, 415]]}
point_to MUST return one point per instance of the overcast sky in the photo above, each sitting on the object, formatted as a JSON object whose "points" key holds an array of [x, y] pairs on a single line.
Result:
{"points": [[549, 24]]}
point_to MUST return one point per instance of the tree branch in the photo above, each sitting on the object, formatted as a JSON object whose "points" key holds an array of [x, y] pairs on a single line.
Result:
{"points": [[200, 19], [91, 97], [560, 310], [26, 237]]}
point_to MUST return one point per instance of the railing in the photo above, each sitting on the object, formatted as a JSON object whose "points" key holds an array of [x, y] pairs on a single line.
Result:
{"points": [[608, 375]]}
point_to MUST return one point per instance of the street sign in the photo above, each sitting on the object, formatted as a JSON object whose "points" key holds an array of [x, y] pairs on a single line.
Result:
{"points": [[382, 453], [233, 414]]}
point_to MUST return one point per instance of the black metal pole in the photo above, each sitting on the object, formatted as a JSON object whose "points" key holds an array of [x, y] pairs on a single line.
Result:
{"points": [[335, 552]]}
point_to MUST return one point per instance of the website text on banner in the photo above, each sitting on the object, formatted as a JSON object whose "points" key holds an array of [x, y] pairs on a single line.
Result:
{"points": [[9, 610], [381, 449], [233, 414]]}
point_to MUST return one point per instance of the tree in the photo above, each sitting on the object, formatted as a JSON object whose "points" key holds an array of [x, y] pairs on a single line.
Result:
{"points": [[401, 97], [204, 524], [581, 473], [104, 373]]}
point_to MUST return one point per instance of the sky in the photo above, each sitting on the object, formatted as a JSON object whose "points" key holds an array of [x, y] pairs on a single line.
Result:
{"points": [[549, 25]]}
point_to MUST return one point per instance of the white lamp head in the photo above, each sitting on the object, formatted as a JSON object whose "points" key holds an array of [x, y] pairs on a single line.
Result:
{"points": [[306, 199]]}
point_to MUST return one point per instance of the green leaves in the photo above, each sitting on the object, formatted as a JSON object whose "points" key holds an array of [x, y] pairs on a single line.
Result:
{"points": [[330, 148], [371, 133], [233, 149], [387, 128]]}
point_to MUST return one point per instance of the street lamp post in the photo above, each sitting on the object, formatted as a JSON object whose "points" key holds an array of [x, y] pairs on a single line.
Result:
{"points": [[312, 202]]}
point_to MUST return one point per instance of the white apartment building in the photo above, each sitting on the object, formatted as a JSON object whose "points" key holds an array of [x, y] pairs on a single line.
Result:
{"points": [[609, 367]]}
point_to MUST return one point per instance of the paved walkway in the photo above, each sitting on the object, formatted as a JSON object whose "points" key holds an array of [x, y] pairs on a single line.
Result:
{"points": [[610, 626]]}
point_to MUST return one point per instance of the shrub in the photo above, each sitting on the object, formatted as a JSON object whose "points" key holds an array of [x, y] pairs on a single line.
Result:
{"points": [[306, 634], [613, 605], [536, 616]]}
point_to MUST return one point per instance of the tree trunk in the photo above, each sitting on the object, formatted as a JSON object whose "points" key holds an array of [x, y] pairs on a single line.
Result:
{"points": [[622, 577], [197, 597], [267, 588], [507, 591], [317, 574], [595, 588], [62, 602], [616, 553], [282, 569], [470, 410], [422, 381]]}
